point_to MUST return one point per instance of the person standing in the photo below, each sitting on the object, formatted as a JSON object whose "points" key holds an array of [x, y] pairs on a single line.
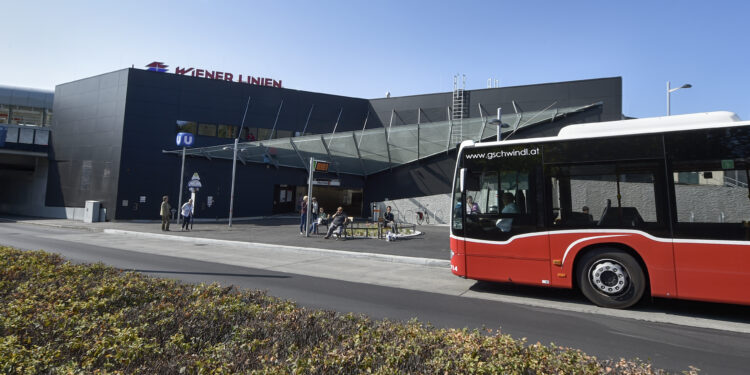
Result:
{"points": [[187, 214], [303, 215], [314, 218], [165, 208], [389, 220]]}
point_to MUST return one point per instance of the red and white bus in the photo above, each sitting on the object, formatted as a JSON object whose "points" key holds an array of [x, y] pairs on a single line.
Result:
{"points": [[620, 209]]}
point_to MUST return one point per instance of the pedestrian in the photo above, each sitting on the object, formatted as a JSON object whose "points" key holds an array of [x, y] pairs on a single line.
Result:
{"points": [[165, 208], [303, 216], [314, 218], [389, 220], [187, 214]]}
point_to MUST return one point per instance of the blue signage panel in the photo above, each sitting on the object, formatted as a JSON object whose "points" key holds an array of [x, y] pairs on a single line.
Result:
{"points": [[185, 139], [3, 132]]}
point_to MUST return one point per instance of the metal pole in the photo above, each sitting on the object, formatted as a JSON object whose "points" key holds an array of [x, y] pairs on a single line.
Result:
{"points": [[273, 130], [363, 129], [308, 119], [336, 125], [309, 198], [242, 124], [179, 196], [669, 110], [234, 161], [390, 124], [234, 168], [419, 120], [499, 124]]}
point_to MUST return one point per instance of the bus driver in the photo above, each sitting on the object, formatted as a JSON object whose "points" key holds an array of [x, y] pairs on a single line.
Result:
{"points": [[509, 207]]}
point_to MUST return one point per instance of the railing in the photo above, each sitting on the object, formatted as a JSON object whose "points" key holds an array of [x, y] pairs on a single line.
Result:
{"points": [[729, 181]]}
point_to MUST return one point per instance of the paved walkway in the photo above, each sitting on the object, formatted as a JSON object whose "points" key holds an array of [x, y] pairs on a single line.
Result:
{"points": [[433, 243]]}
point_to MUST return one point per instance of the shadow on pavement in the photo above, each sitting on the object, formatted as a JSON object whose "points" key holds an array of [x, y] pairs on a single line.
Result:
{"points": [[684, 308]]}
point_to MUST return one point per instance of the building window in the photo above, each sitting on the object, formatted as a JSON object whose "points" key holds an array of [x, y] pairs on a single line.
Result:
{"points": [[26, 115], [48, 118], [187, 127], [207, 130], [4, 114], [227, 131], [249, 134], [264, 134], [283, 133]]}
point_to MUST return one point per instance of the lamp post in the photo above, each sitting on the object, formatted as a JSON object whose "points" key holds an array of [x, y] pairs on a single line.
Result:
{"points": [[670, 91], [499, 124]]}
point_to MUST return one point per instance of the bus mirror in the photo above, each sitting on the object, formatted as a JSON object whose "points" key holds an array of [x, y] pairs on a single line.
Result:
{"points": [[462, 179]]}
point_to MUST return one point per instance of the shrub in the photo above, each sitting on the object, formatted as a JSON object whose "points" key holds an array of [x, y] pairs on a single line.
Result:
{"points": [[56, 317]]}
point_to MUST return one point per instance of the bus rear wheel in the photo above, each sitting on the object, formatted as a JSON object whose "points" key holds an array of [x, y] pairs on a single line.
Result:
{"points": [[611, 278]]}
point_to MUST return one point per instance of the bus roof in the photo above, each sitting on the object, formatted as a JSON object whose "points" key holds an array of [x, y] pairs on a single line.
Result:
{"points": [[636, 126]]}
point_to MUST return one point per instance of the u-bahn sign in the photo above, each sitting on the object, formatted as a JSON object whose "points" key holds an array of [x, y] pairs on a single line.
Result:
{"points": [[185, 139]]}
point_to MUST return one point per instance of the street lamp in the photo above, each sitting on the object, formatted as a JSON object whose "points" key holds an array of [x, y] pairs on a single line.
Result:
{"points": [[670, 91], [499, 124]]}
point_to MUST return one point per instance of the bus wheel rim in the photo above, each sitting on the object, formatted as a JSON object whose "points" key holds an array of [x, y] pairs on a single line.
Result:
{"points": [[609, 277]]}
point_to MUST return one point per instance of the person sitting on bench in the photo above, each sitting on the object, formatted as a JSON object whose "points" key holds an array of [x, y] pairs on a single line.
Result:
{"points": [[337, 222]]}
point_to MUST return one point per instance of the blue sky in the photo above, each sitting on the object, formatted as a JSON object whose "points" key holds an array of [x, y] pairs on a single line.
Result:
{"points": [[363, 49]]}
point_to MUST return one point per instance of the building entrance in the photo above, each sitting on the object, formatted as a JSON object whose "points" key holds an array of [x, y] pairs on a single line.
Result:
{"points": [[284, 199], [330, 198]]}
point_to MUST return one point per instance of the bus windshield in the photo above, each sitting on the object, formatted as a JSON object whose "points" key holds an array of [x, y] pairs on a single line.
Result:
{"points": [[498, 198]]}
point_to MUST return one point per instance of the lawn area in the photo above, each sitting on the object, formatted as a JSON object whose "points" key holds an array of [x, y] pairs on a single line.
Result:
{"points": [[56, 317]]}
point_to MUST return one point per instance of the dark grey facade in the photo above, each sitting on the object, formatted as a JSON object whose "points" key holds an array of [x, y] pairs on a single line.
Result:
{"points": [[110, 130]]}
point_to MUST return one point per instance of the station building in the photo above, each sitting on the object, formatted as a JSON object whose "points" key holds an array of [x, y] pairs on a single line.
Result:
{"points": [[113, 141], [25, 119]]}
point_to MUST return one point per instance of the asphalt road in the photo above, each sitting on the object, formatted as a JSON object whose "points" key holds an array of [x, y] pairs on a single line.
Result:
{"points": [[669, 346]]}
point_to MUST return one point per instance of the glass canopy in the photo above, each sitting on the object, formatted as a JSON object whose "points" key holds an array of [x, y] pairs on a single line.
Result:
{"points": [[364, 152]]}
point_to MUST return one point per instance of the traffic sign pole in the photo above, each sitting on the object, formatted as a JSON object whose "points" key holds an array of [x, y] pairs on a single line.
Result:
{"points": [[179, 196], [309, 197], [184, 140]]}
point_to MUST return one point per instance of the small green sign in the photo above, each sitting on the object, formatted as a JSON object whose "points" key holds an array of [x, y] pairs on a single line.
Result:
{"points": [[727, 164]]}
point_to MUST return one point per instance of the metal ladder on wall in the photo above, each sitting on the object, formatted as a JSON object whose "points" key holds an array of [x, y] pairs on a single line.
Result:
{"points": [[458, 110]]}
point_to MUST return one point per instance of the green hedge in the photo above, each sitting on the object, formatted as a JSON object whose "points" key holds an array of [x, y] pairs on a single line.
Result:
{"points": [[56, 317]]}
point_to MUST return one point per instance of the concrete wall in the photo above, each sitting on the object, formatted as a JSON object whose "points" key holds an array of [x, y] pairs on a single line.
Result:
{"points": [[436, 206]]}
